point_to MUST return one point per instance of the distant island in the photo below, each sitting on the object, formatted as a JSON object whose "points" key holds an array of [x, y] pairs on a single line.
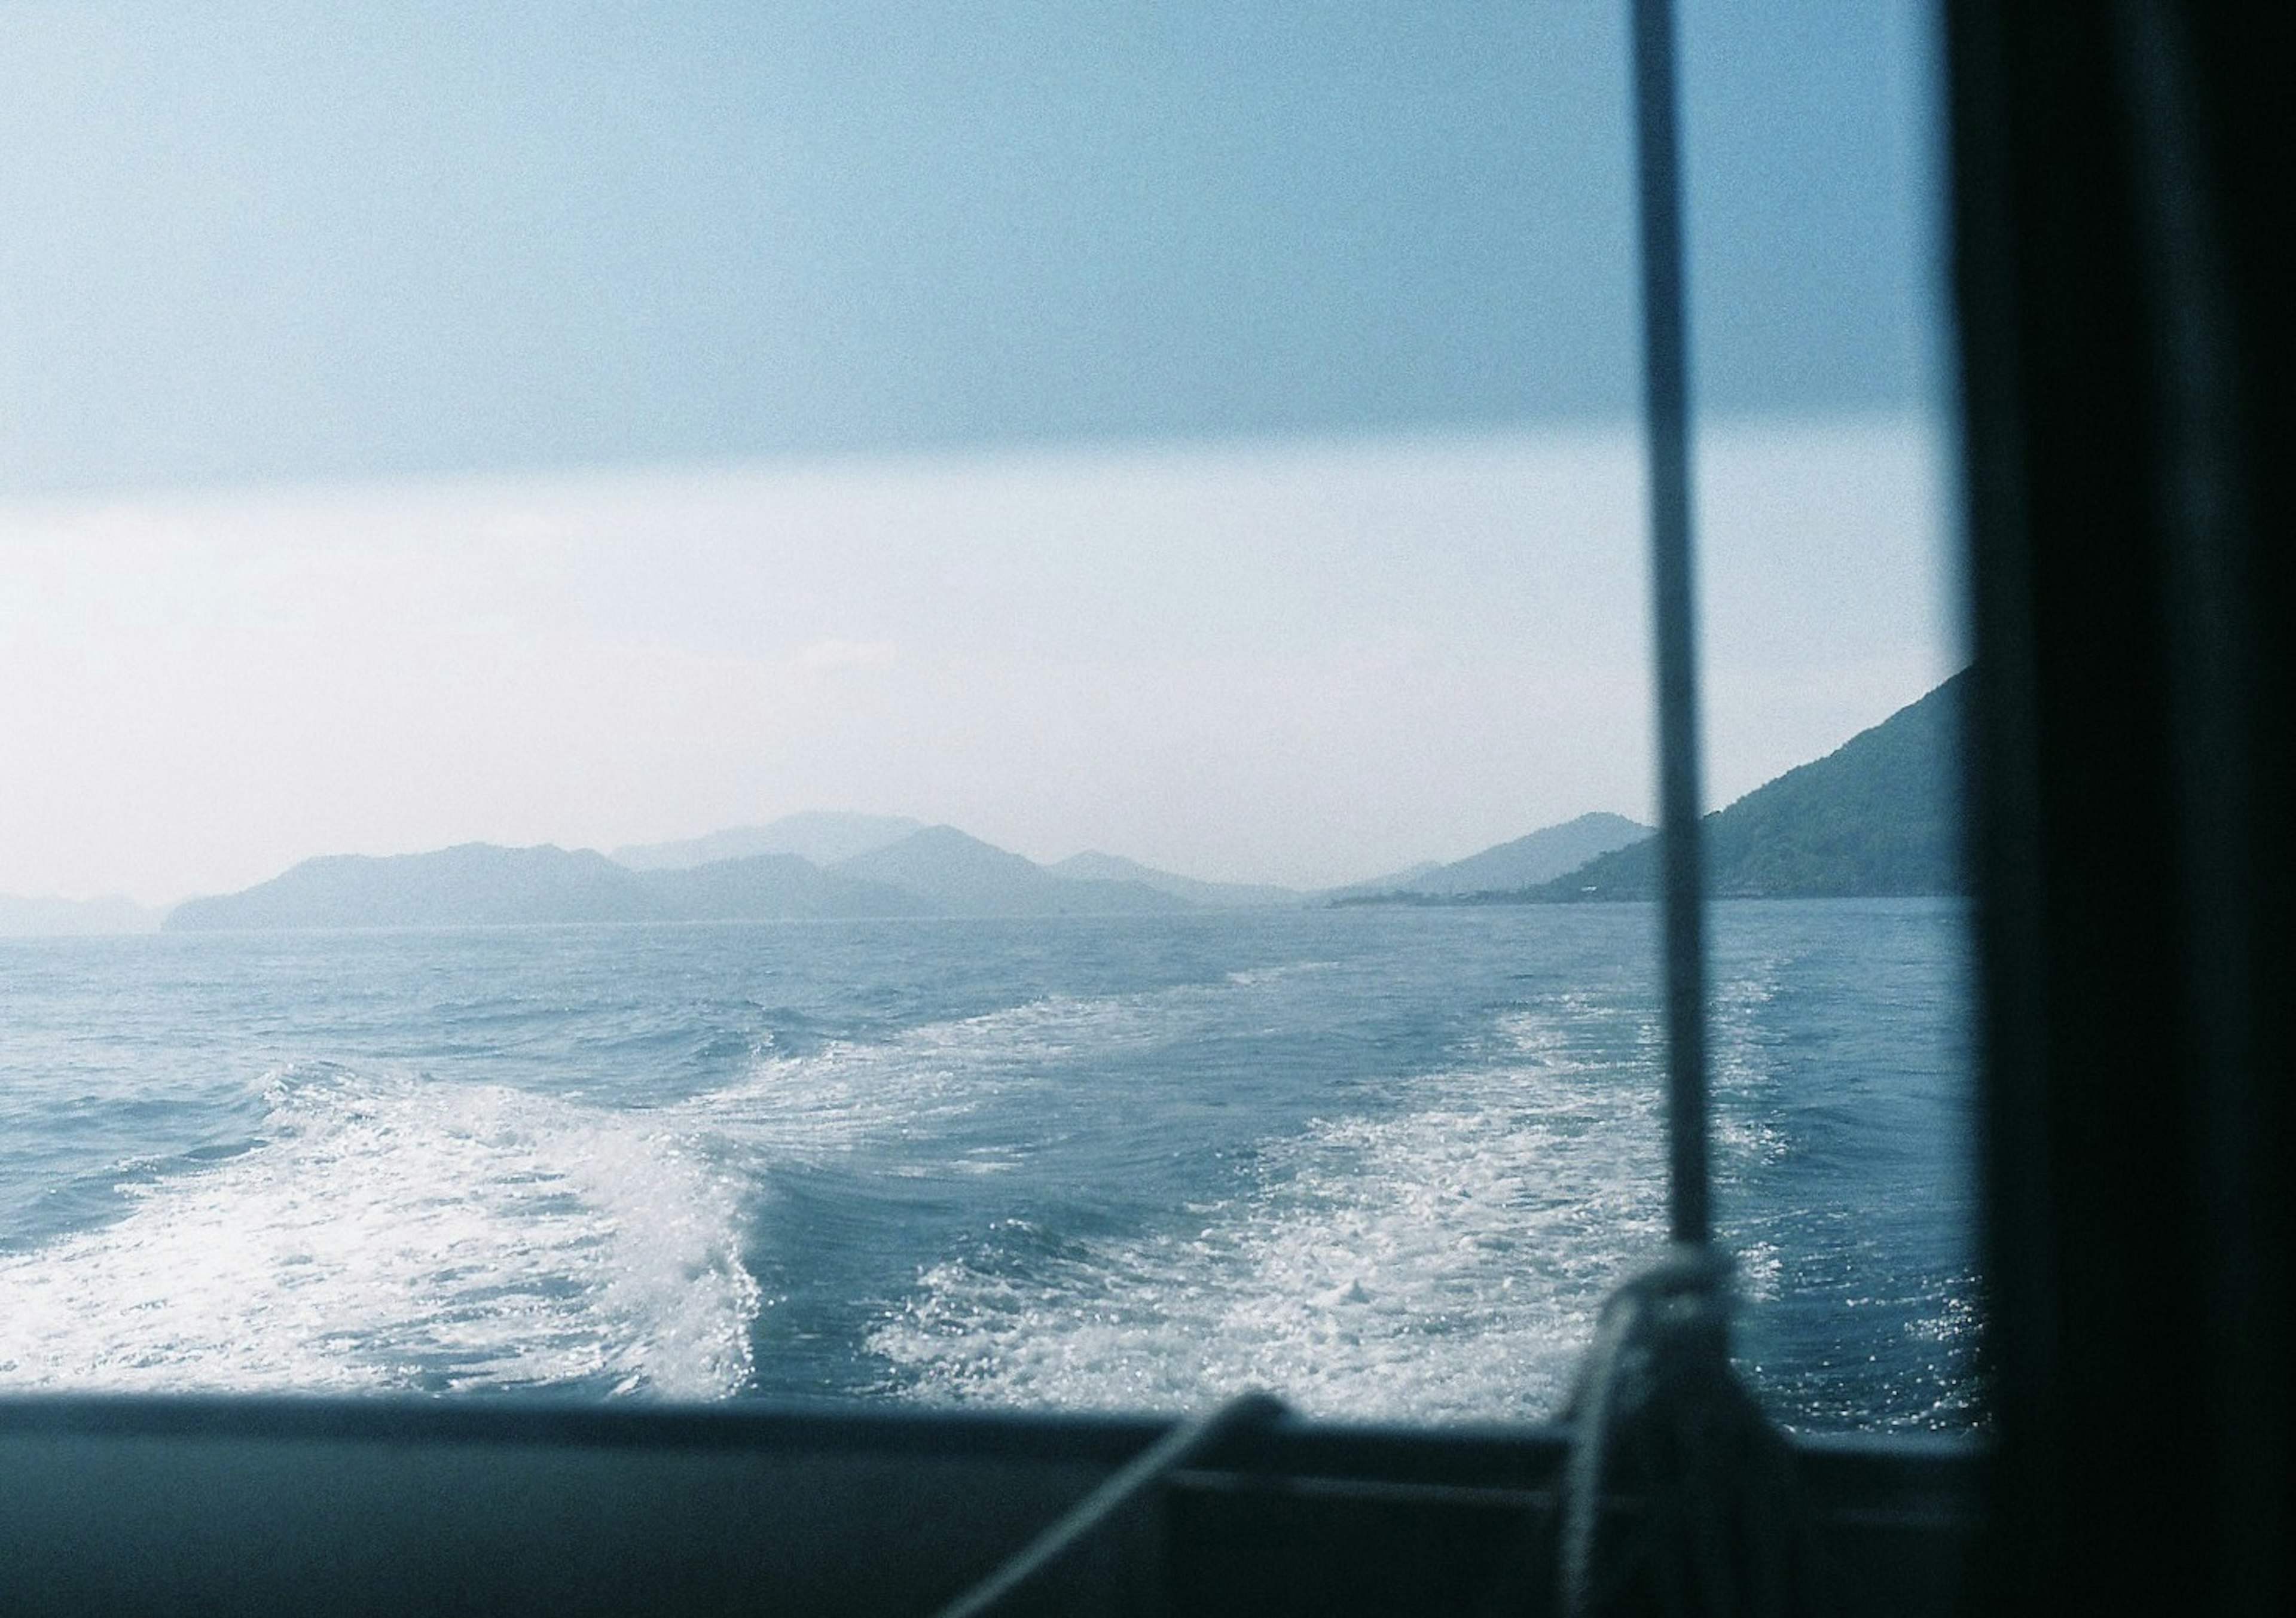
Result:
{"points": [[1875, 816], [1555, 852], [934, 870], [74, 917]]}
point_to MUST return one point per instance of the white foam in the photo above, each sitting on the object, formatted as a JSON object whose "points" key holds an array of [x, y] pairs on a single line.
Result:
{"points": [[852, 1093], [392, 1232], [399, 1233], [1257, 977], [1441, 1263]]}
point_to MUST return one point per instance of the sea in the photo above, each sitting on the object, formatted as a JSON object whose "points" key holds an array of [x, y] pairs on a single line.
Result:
{"points": [[1384, 1161]]}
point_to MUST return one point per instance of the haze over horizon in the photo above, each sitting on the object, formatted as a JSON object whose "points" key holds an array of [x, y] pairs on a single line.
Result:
{"points": [[1203, 433], [1305, 663]]}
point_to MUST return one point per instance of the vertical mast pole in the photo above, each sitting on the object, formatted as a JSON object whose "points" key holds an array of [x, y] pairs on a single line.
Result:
{"points": [[1666, 413]]}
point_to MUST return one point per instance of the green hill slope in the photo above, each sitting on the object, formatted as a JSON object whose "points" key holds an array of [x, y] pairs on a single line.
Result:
{"points": [[1878, 816]]}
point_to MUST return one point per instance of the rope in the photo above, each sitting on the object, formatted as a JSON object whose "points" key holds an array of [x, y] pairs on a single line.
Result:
{"points": [[1658, 1414], [1187, 1441]]}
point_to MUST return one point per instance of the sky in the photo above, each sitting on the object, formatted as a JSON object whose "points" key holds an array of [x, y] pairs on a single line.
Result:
{"points": [[1203, 432]]}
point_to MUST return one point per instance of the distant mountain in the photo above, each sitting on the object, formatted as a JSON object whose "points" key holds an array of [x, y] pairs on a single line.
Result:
{"points": [[1092, 865], [775, 887], [1527, 861], [818, 837], [55, 917], [962, 875], [474, 885], [1505, 868], [1878, 816], [481, 885], [1394, 882], [935, 871]]}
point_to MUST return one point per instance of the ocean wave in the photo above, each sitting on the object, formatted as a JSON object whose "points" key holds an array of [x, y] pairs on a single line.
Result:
{"points": [[1432, 1246], [1442, 1263], [847, 1093], [395, 1233]]}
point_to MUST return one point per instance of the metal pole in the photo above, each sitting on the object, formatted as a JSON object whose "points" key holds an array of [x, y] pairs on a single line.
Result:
{"points": [[1666, 408]]}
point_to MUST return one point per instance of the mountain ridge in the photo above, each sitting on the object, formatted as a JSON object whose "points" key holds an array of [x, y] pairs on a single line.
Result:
{"points": [[1521, 862], [1093, 866], [22, 917], [933, 871], [1876, 817], [966, 876], [821, 837]]}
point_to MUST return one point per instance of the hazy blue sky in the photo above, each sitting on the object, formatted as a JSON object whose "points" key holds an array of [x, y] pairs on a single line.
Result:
{"points": [[261, 240], [1109, 389]]}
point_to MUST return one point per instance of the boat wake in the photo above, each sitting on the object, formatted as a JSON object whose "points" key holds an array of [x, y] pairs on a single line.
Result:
{"points": [[395, 1233], [1441, 1263]]}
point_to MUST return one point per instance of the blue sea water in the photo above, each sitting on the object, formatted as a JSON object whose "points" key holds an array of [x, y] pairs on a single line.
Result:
{"points": [[1384, 1161]]}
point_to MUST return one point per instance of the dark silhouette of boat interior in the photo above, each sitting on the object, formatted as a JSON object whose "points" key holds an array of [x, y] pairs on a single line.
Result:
{"points": [[2118, 171]]}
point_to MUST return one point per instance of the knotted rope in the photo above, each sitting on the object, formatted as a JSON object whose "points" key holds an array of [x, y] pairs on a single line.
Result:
{"points": [[1660, 1419]]}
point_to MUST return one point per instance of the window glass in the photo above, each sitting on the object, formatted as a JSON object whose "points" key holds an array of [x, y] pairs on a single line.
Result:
{"points": [[1832, 620], [941, 704]]}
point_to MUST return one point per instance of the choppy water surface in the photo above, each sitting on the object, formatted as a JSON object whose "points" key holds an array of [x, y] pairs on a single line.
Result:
{"points": [[1383, 1161]]}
